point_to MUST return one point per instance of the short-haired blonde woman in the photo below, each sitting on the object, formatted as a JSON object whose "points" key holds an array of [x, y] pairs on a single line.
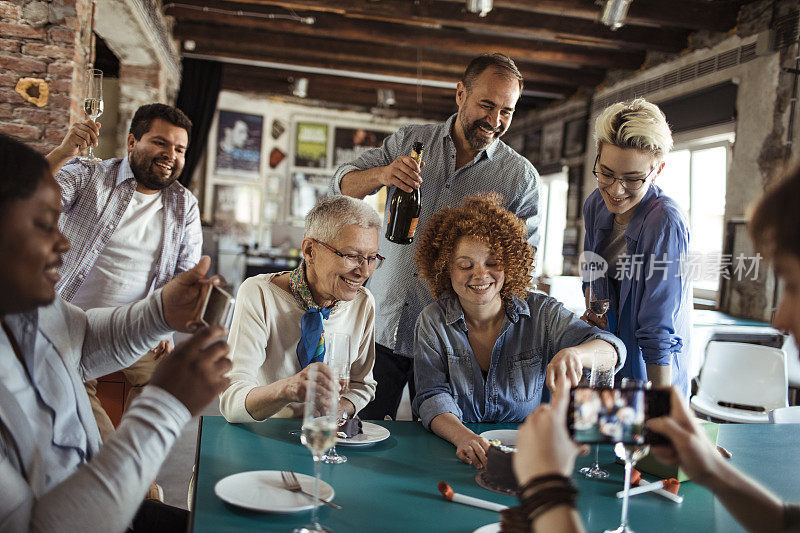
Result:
{"points": [[642, 235], [278, 323], [482, 350]]}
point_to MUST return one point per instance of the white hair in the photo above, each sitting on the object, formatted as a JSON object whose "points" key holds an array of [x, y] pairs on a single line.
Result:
{"points": [[636, 124], [326, 219]]}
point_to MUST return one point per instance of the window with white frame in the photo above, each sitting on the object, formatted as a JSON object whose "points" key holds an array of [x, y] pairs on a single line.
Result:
{"points": [[695, 177], [553, 208]]}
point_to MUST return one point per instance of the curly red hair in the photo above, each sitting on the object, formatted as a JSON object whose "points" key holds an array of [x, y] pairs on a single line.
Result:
{"points": [[482, 217]]}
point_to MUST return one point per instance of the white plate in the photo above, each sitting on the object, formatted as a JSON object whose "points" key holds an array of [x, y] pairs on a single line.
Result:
{"points": [[263, 490], [489, 528], [372, 433], [507, 437]]}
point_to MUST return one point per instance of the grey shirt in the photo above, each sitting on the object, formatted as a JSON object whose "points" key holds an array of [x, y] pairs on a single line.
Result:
{"points": [[399, 294]]}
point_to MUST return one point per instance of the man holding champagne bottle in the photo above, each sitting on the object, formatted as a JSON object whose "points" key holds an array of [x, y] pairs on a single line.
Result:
{"points": [[462, 156]]}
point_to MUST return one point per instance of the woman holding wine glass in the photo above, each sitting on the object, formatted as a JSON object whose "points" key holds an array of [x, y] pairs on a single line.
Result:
{"points": [[282, 321], [639, 237], [485, 349]]}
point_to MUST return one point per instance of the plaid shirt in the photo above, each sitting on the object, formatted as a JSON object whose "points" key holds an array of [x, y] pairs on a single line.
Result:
{"points": [[93, 200]]}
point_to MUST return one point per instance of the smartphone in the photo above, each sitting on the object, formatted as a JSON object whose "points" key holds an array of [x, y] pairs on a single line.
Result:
{"points": [[607, 416], [217, 307]]}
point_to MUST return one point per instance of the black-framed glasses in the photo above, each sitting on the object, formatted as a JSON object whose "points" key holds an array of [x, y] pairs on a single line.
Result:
{"points": [[629, 184], [354, 260]]}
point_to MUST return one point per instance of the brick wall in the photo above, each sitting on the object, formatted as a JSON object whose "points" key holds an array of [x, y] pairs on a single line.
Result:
{"points": [[51, 41]]}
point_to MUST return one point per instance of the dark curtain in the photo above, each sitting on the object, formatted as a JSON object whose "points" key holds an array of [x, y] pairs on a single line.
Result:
{"points": [[197, 98]]}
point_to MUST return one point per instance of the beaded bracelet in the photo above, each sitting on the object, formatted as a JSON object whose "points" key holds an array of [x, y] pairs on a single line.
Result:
{"points": [[543, 493]]}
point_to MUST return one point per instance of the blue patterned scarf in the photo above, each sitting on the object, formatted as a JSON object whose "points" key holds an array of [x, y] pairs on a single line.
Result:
{"points": [[311, 348]]}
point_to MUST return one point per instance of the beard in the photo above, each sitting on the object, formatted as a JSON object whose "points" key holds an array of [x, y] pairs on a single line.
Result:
{"points": [[477, 142], [143, 172]]}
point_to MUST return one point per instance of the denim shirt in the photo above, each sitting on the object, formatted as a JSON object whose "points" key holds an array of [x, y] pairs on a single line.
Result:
{"points": [[449, 379], [653, 316]]}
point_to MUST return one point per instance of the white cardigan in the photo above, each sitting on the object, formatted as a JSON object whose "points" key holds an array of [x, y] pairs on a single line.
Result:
{"points": [[264, 336]]}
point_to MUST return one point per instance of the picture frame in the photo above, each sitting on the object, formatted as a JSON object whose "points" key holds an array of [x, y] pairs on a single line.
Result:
{"points": [[311, 145], [350, 142], [239, 144]]}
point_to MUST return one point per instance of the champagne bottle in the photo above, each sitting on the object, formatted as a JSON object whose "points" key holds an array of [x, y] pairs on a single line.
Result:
{"points": [[404, 209]]}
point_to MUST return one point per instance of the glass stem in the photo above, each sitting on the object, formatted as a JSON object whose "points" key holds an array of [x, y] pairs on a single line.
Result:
{"points": [[90, 153], [628, 468], [314, 512], [597, 457]]}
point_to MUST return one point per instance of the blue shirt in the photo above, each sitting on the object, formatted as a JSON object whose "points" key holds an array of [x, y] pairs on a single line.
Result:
{"points": [[652, 312], [399, 293], [449, 379]]}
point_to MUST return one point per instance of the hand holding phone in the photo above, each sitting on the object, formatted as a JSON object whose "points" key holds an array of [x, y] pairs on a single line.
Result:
{"points": [[217, 307]]}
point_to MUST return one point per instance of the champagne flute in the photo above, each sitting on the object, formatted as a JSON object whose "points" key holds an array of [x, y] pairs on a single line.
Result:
{"points": [[318, 434], [598, 293], [601, 377], [337, 356], [631, 453], [92, 104]]}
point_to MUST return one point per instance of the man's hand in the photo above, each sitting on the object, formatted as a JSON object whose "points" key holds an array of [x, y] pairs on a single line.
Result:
{"points": [[543, 444], [690, 449], [565, 365], [471, 449], [195, 372], [80, 136], [403, 172], [295, 386], [164, 348], [182, 297]]}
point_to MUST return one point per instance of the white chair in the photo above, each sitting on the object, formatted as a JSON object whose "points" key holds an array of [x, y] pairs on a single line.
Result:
{"points": [[785, 415], [741, 382]]}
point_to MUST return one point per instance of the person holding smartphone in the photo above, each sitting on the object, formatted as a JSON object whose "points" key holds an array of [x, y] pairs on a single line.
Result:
{"points": [[545, 448]]}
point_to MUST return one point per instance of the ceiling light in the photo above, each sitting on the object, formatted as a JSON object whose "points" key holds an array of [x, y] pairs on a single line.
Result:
{"points": [[189, 45], [481, 7], [386, 98], [614, 13], [300, 87]]}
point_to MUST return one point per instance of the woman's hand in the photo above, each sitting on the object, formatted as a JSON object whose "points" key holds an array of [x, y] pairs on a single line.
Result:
{"points": [[690, 449], [566, 365], [543, 444], [471, 448]]}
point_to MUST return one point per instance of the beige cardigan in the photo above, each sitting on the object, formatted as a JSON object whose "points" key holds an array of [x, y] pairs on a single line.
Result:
{"points": [[264, 336]]}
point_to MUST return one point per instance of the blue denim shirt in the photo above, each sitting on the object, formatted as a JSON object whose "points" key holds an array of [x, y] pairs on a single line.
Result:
{"points": [[449, 379], [654, 312]]}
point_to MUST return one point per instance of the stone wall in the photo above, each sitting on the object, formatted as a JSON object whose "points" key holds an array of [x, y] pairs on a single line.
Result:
{"points": [[44, 41]]}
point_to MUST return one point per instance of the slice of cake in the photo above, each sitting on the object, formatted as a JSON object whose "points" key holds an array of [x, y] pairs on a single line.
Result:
{"points": [[499, 473]]}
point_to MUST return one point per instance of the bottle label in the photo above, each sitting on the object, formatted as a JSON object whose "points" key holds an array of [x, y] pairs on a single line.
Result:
{"points": [[413, 227]]}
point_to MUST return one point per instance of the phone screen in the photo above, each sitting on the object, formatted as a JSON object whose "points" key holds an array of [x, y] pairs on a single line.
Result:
{"points": [[218, 308], [607, 416]]}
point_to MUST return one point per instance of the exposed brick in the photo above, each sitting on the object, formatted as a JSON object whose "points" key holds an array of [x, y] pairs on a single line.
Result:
{"points": [[55, 135], [55, 51], [22, 131], [9, 10], [60, 69], [60, 85], [59, 101], [22, 65], [9, 78], [8, 94], [41, 115], [6, 110], [11, 29], [60, 34], [11, 45]]}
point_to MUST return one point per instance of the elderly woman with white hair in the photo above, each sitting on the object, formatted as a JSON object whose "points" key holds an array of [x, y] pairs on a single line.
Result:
{"points": [[642, 235], [280, 319]]}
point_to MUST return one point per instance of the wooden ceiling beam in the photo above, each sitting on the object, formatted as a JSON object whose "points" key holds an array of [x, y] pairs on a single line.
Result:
{"points": [[503, 21], [338, 27]]}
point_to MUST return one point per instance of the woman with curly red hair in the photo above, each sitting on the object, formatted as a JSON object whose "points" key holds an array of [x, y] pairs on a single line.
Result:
{"points": [[482, 350]]}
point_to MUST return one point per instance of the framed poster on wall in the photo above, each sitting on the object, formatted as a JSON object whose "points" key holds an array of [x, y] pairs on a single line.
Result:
{"points": [[349, 143], [239, 144], [311, 145]]}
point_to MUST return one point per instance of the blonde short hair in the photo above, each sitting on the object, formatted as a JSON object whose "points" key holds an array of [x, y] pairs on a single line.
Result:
{"points": [[636, 124]]}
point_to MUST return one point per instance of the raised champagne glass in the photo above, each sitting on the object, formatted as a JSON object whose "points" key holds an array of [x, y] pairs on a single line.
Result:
{"points": [[598, 293], [601, 377], [318, 434], [92, 104], [631, 454], [337, 356]]}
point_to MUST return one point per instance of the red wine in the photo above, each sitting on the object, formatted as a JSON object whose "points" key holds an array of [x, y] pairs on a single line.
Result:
{"points": [[404, 209]]}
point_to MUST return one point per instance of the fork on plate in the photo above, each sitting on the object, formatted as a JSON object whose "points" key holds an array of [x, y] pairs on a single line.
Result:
{"points": [[292, 484]]}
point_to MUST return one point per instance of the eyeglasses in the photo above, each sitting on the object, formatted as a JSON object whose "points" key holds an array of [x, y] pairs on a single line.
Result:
{"points": [[629, 184], [355, 260]]}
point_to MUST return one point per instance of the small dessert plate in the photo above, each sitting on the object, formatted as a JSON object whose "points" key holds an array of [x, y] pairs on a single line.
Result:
{"points": [[507, 437], [372, 434], [489, 528]]}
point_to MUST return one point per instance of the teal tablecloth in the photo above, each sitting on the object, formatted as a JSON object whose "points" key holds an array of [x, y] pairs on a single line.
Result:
{"points": [[391, 486]]}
